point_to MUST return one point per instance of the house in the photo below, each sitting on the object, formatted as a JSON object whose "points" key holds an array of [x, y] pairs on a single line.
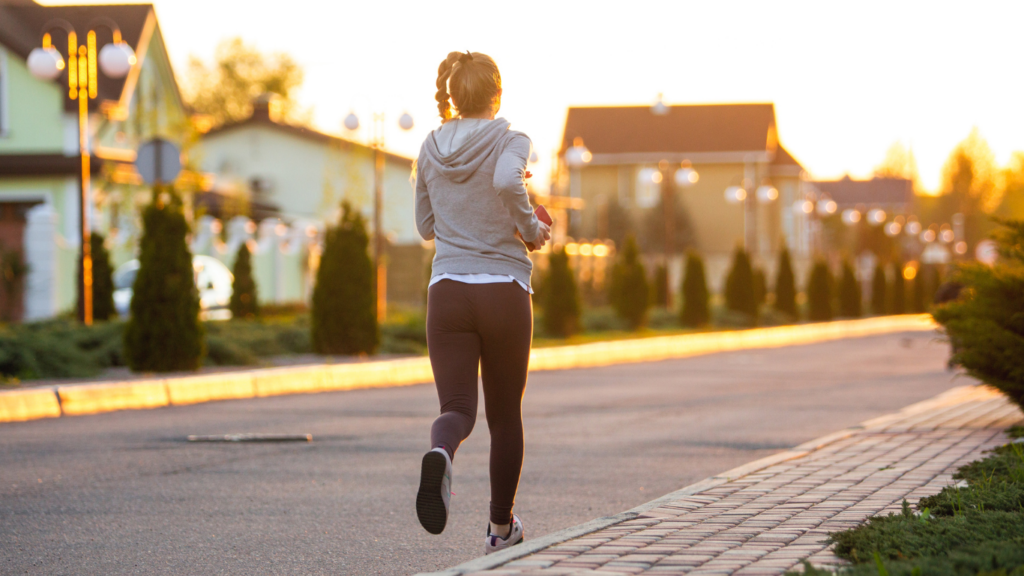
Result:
{"points": [[287, 177], [746, 182], [40, 162], [894, 195]]}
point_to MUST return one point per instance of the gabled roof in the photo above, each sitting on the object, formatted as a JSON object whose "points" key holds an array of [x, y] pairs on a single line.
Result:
{"points": [[693, 129], [877, 191], [21, 29]]}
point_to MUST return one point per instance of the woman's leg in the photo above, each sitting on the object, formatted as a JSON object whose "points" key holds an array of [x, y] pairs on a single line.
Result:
{"points": [[505, 321], [454, 347]]}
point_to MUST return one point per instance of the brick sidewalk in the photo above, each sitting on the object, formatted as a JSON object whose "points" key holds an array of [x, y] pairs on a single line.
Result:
{"points": [[768, 520]]}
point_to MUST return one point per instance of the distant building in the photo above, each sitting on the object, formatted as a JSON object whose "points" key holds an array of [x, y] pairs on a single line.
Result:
{"points": [[894, 195], [40, 163], [636, 152]]}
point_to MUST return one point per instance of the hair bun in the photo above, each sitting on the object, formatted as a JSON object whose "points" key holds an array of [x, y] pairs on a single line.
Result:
{"points": [[467, 57]]}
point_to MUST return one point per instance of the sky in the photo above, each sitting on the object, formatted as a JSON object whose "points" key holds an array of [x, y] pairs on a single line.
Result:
{"points": [[848, 79]]}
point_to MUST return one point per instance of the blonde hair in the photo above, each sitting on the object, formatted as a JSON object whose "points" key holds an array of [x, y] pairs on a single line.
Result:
{"points": [[473, 80]]}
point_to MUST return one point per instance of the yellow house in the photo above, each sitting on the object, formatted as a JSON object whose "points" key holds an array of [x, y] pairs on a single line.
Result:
{"points": [[627, 163]]}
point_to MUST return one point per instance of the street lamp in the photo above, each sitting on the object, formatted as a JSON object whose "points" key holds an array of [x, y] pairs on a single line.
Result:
{"points": [[577, 156], [405, 122], [115, 60]]}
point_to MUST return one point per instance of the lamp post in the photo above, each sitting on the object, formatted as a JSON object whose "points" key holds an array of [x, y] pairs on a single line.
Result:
{"points": [[115, 60], [684, 176], [576, 157], [405, 122]]}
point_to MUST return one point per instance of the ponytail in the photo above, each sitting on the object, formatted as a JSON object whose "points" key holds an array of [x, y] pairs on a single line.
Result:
{"points": [[475, 84]]}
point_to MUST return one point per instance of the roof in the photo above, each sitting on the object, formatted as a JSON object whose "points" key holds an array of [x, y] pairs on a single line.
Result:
{"points": [[691, 129], [261, 118], [21, 30], [877, 191]]}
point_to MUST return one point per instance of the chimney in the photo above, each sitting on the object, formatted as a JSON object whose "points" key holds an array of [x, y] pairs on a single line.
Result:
{"points": [[266, 108]]}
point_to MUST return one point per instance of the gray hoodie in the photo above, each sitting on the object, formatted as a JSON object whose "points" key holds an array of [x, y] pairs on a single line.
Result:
{"points": [[471, 198]]}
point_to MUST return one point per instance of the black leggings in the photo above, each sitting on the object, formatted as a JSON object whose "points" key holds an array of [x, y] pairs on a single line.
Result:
{"points": [[490, 326]]}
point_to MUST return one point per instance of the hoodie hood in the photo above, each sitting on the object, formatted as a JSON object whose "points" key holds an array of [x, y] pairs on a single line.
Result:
{"points": [[459, 147]]}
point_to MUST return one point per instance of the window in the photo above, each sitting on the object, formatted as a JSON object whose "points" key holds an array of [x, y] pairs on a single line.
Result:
{"points": [[4, 95]]}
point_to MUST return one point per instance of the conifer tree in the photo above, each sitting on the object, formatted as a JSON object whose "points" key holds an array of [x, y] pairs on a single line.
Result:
{"points": [[243, 302], [102, 281], [878, 291], [918, 301], [849, 293], [899, 290], [629, 292], [561, 298], [660, 286], [785, 286], [164, 333], [819, 293], [760, 287], [694, 312], [344, 315], [739, 286]]}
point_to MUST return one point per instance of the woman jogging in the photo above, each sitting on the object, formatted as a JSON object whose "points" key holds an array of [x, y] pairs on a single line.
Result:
{"points": [[471, 200]]}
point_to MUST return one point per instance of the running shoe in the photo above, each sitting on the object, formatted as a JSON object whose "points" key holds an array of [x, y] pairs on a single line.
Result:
{"points": [[435, 493], [515, 536]]}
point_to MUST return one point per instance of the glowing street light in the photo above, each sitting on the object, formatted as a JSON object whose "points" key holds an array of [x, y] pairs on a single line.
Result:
{"points": [[735, 194], [686, 176], [767, 193], [851, 216], [876, 216], [578, 155]]}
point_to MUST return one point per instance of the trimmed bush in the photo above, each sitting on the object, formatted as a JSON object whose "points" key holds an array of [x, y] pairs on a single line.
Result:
{"points": [[985, 323], [660, 286], [849, 293], [785, 286], [740, 293], [102, 282], [629, 292], [760, 287], [561, 299], [819, 293], [164, 333], [918, 292], [899, 290], [344, 317], [695, 311], [243, 288], [878, 291]]}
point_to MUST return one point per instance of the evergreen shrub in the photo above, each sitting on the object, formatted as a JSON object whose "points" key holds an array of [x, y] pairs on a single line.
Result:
{"points": [[760, 287], [740, 293], [102, 281], [164, 333], [849, 293], [898, 299], [243, 302], [878, 291], [918, 292], [344, 316], [561, 298], [819, 293], [695, 311], [660, 286], [785, 286], [629, 292]]}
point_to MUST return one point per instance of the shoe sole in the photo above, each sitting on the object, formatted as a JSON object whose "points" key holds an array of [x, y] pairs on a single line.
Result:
{"points": [[429, 503]]}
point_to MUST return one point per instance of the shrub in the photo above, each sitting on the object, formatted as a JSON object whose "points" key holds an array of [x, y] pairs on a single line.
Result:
{"points": [[899, 289], [985, 323], [629, 291], [918, 292], [739, 286], [164, 333], [660, 286], [819, 293], [243, 302], [344, 317], [561, 299], [785, 286], [695, 311], [849, 293], [878, 291], [102, 281], [760, 288]]}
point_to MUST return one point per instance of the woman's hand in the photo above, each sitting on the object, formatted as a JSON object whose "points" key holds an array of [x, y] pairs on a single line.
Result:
{"points": [[543, 235]]}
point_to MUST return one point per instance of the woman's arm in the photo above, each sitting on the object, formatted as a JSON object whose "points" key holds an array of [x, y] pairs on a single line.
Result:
{"points": [[508, 181], [424, 211]]}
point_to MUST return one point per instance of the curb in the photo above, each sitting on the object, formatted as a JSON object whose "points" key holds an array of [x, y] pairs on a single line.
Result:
{"points": [[948, 398], [31, 404]]}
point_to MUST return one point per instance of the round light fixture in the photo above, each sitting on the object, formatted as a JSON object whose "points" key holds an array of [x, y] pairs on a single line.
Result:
{"points": [[735, 194], [405, 121], [352, 121], [117, 59], [45, 63]]}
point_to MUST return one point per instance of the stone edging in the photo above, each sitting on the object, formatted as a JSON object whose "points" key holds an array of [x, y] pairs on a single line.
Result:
{"points": [[31, 404]]}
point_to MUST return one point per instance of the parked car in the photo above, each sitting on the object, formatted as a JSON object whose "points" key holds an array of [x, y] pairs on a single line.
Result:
{"points": [[213, 280]]}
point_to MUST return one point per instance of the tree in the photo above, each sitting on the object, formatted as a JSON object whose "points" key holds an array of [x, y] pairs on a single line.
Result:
{"points": [[629, 291], [695, 311], [760, 287], [660, 286], [785, 286], [849, 293], [984, 323], [740, 293], [819, 293], [878, 291], [164, 333], [344, 315], [968, 187], [1012, 204], [561, 298], [918, 292], [899, 162], [224, 91], [102, 281], [243, 302], [899, 289]]}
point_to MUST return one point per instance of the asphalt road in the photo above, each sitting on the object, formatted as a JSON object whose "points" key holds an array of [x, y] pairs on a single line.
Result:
{"points": [[123, 493]]}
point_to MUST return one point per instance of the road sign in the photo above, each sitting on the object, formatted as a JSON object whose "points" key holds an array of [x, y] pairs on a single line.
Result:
{"points": [[158, 161]]}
